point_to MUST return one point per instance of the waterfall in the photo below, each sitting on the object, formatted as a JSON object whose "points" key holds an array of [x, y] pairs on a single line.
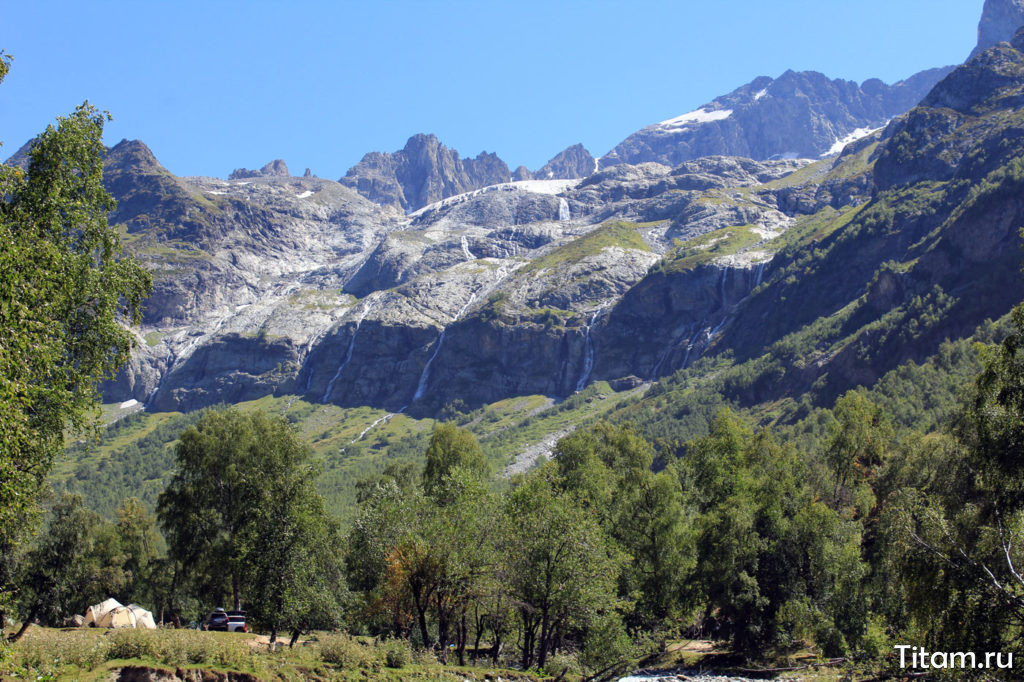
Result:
{"points": [[588, 359], [760, 273], [348, 354], [465, 249], [563, 210], [362, 433], [421, 387], [673, 344], [721, 285]]}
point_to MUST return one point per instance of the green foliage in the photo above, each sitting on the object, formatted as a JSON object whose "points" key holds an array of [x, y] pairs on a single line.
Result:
{"points": [[397, 653], [81, 560], [562, 568], [451, 448], [63, 569], [617, 234], [243, 506], [771, 559], [344, 651], [65, 294], [708, 247], [610, 470]]}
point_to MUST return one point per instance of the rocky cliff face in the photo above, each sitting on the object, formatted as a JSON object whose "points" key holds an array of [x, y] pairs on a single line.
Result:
{"points": [[1000, 20], [797, 115], [423, 172], [276, 168], [571, 163], [283, 285]]}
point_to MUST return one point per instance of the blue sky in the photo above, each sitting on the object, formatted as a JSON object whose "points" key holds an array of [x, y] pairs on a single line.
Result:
{"points": [[211, 86]]}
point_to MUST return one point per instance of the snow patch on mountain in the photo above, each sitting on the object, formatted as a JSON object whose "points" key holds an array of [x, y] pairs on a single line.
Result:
{"points": [[552, 187], [699, 116], [857, 134]]}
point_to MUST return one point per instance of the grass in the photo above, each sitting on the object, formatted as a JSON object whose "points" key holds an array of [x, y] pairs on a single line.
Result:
{"points": [[803, 663], [91, 655], [816, 227], [618, 234], [321, 299], [134, 457], [172, 252], [709, 247]]}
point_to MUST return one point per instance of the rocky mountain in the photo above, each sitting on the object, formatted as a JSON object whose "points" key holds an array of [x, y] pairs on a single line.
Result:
{"points": [[765, 279], [423, 172], [797, 115], [279, 285], [569, 164], [276, 168], [426, 171], [1000, 20]]}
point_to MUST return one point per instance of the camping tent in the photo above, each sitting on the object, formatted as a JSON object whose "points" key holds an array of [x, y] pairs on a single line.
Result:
{"points": [[117, 617], [143, 618], [95, 612], [111, 614]]}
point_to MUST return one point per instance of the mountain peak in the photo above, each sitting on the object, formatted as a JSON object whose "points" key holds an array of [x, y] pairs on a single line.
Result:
{"points": [[422, 172], [132, 154], [806, 116], [570, 163], [1000, 20], [276, 168]]}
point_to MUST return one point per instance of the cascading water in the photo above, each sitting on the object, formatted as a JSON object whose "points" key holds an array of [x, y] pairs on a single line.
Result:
{"points": [[465, 249], [588, 358], [563, 210], [760, 273], [671, 347], [348, 354], [421, 387], [721, 286]]}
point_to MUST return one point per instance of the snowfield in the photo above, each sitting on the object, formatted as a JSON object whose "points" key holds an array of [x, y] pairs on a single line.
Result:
{"points": [[696, 117], [852, 137]]}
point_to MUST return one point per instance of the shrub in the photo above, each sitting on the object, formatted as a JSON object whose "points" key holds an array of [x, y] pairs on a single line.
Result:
{"points": [[561, 665], [130, 643], [397, 653], [344, 651], [424, 657]]}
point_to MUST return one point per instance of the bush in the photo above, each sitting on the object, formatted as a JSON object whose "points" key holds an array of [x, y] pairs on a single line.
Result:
{"points": [[345, 652], [178, 647], [397, 653], [130, 643], [44, 653], [561, 665], [424, 657]]}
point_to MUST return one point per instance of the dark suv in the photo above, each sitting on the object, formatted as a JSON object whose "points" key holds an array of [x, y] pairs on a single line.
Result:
{"points": [[218, 620], [226, 621]]}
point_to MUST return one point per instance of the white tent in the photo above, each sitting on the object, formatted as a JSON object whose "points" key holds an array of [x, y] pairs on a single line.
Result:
{"points": [[95, 612], [117, 617], [143, 618], [112, 614]]}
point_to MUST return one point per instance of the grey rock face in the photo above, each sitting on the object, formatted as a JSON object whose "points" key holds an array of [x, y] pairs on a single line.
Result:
{"points": [[423, 172], [1000, 20], [571, 163], [929, 143], [275, 169], [302, 286], [797, 115]]}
